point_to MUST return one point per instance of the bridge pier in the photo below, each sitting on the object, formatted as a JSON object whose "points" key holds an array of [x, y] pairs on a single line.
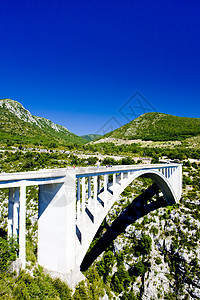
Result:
{"points": [[13, 212], [56, 225], [22, 225], [17, 218], [10, 211], [83, 203]]}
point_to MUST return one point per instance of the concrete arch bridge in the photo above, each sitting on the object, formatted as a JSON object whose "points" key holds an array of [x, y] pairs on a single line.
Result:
{"points": [[72, 205]]}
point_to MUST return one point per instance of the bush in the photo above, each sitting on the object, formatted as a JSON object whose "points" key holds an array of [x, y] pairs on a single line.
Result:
{"points": [[120, 280], [139, 269], [158, 260], [105, 265], [62, 288], [92, 160], [187, 180], [95, 284], [80, 292], [144, 245], [129, 296], [127, 161], [8, 251], [109, 161], [154, 230]]}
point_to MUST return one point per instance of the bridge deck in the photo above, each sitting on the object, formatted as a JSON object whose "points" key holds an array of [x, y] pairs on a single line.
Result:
{"points": [[79, 171]]}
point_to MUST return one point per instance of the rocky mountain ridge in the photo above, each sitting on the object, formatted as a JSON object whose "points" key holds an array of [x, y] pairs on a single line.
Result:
{"points": [[18, 124], [24, 115]]}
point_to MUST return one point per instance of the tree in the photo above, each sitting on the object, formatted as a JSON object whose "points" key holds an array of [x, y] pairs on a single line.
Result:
{"points": [[116, 284], [105, 265], [145, 244], [62, 288], [120, 280], [139, 269], [92, 160], [80, 292], [96, 288], [128, 161]]}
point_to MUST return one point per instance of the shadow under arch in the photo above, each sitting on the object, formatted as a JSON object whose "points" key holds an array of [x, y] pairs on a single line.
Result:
{"points": [[137, 209]]}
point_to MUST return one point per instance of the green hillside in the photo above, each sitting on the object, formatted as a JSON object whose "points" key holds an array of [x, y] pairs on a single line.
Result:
{"points": [[158, 127], [91, 137], [18, 126]]}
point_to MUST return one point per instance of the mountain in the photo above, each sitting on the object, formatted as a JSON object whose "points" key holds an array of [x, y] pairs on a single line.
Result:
{"points": [[19, 126], [158, 127], [91, 137]]}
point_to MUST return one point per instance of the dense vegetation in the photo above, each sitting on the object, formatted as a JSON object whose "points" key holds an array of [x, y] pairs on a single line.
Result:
{"points": [[181, 151], [18, 160], [158, 127]]}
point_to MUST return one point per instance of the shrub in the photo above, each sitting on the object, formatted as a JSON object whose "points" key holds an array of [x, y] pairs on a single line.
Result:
{"points": [[154, 230], [144, 245], [158, 260], [8, 251], [139, 269], [105, 265]]}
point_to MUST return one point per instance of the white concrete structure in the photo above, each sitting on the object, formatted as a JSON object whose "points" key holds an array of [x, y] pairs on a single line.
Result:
{"points": [[72, 206]]}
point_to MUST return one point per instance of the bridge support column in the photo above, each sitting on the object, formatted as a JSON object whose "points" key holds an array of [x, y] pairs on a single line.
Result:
{"points": [[105, 184], [89, 189], [10, 212], [83, 195], [78, 204], [16, 212], [122, 176], [17, 219], [98, 183], [57, 229], [22, 225], [95, 195], [83, 213], [114, 183]]}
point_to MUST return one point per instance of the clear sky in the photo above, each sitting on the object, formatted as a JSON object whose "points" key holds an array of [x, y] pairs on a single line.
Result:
{"points": [[80, 62]]}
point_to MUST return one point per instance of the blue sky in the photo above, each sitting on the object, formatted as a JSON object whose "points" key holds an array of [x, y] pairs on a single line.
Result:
{"points": [[80, 62]]}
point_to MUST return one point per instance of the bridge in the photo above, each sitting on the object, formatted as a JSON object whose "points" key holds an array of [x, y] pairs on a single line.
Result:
{"points": [[72, 205]]}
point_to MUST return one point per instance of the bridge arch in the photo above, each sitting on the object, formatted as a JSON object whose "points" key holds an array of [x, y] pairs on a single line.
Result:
{"points": [[163, 184]]}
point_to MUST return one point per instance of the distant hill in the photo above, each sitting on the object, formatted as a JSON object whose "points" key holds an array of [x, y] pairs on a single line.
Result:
{"points": [[158, 127], [18, 125], [91, 137]]}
